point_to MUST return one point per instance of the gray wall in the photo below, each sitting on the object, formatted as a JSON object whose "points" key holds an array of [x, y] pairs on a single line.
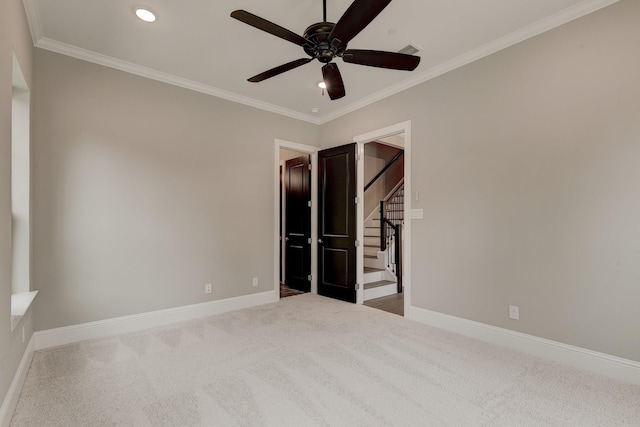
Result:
{"points": [[289, 154], [376, 157], [14, 36], [144, 192], [526, 162], [528, 167]]}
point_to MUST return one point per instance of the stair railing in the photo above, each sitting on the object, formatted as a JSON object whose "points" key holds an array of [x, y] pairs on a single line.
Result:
{"points": [[391, 219], [384, 169]]}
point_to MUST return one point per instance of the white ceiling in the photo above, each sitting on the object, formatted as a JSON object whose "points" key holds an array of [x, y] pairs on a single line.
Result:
{"points": [[195, 43]]}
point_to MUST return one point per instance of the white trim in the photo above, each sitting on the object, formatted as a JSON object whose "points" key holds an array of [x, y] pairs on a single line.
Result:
{"points": [[405, 128], [13, 394], [33, 19], [604, 364], [574, 12], [20, 303], [360, 221], [294, 146], [381, 291], [152, 319], [385, 133], [281, 220], [313, 151], [128, 67]]}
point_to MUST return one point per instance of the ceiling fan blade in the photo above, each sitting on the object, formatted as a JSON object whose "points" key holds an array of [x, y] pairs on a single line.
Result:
{"points": [[333, 80], [269, 27], [356, 18], [382, 59], [279, 70]]}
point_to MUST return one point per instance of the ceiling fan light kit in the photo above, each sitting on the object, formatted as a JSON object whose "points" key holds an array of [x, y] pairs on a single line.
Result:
{"points": [[325, 41]]}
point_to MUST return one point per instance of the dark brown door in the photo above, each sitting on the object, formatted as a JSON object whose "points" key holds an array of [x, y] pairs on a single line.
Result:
{"points": [[280, 229], [337, 222], [298, 224]]}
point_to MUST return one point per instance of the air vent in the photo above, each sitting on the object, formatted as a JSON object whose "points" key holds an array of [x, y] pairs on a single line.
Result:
{"points": [[409, 50]]}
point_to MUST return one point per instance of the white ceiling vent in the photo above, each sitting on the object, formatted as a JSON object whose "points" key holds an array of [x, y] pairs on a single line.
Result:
{"points": [[410, 49]]}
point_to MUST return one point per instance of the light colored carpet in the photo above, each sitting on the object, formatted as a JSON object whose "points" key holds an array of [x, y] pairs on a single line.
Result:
{"points": [[311, 361]]}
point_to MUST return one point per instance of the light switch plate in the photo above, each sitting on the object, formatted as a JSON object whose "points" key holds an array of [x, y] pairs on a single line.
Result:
{"points": [[417, 213]]}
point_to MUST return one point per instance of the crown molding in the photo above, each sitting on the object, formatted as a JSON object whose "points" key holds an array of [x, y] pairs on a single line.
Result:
{"points": [[33, 19], [128, 67], [574, 12]]}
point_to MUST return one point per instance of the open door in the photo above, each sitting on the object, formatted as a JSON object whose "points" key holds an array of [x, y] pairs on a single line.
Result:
{"points": [[337, 222], [298, 224]]}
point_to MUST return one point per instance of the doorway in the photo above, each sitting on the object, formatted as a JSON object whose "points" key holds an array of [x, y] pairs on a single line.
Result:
{"points": [[295, 223], [403, 128], [384, 200], [398, 136], [295, 219]]}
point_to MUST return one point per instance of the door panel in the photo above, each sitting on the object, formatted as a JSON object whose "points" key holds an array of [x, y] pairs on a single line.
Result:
{"points": [[338, 274], [298, 224], [337, 223]]}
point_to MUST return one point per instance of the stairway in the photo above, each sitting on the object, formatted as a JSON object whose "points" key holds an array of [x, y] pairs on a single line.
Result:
{"points": [[383, 255], [378, 280]]}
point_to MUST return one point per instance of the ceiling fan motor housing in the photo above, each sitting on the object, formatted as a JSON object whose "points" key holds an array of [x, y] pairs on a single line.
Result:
{"points": [[319, 47]]}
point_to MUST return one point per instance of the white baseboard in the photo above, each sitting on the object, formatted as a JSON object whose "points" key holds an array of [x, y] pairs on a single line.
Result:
{"points": [[119, 325], [604, 364], [13, 394]]}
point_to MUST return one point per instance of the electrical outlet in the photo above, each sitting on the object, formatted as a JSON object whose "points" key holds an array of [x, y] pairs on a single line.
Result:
{"points": [[255, 281], [514, 312], [207, 288]]}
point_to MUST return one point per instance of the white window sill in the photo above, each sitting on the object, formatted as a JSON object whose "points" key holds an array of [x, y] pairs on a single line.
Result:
{"points": [[20, 303]]}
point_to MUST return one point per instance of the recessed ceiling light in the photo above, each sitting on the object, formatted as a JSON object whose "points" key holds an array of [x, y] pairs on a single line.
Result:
{"points": [[322, 85], [315, 110], [145, 14]]}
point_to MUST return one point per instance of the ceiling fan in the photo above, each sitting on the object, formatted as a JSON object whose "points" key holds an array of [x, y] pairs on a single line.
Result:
{"points": [[325, 40]]}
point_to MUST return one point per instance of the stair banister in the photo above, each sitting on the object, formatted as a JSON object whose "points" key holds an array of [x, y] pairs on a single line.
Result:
{"points": [[383, 227], [397, 241], [391, 226], [398, 255], [384, 169]]}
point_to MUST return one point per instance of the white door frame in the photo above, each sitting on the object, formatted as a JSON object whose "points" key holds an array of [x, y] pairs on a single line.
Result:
{"points": [[313, 151], [404, 127]]}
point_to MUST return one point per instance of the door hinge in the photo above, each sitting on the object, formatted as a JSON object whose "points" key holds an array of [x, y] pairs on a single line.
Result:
{"points": [[357, 286], [357, 243], [309, 203], [309, 240], [309, 277], [357, 200], [309, 166], [357, 156]]}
